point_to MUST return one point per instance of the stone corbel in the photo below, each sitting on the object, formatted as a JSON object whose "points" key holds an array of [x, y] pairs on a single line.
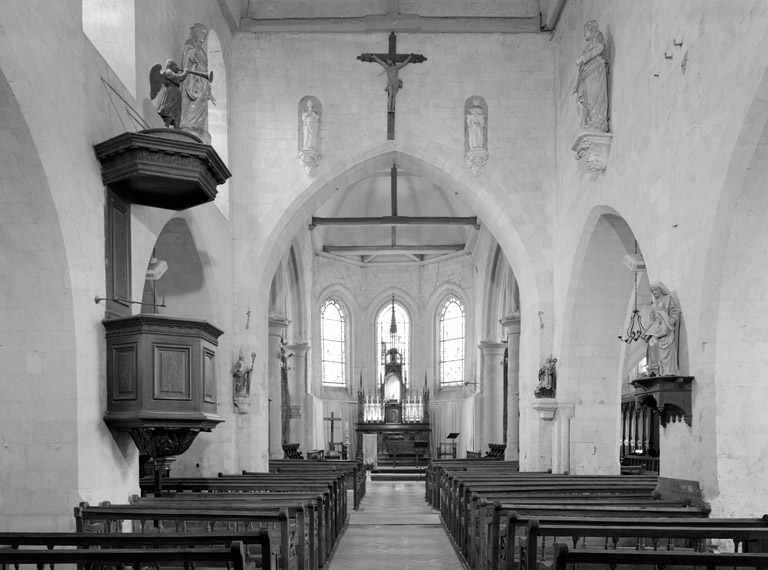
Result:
{"points": [[476, 160], [546, 407], [595, 147], [309, 159]]}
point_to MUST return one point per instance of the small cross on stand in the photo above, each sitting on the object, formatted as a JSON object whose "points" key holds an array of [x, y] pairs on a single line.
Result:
{"points": [[332, 443], [392, 62]]}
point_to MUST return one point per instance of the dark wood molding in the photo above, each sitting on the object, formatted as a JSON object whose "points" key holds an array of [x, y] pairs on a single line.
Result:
{"points": [[397, 221]]}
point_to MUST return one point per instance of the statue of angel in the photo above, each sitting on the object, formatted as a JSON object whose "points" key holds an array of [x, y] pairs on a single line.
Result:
{"points": [[165, 85]]}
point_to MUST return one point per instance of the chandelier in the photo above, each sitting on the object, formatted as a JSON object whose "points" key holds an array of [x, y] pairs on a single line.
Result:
{"points": [[635, 327]]}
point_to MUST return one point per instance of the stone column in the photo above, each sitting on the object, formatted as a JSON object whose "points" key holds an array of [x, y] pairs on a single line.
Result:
{"points": [[297, 388], [491, 381], [277, 326], [542, 447], [511, 325], [561, 456]]}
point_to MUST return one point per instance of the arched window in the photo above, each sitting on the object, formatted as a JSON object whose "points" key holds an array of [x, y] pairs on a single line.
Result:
{"points": [[400, 339], [451, 339], [334, 343]]}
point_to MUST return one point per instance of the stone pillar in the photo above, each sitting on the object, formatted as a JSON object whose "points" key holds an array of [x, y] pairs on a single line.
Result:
{"points": [[561, 456], [491, 381], [277, 326], [297, 388], [542, 447], [511, 325]]}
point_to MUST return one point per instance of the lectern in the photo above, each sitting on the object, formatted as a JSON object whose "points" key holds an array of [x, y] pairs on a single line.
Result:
{"points": [[448, 449]]}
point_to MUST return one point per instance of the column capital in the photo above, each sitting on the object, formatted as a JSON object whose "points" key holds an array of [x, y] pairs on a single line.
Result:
{"points": [[299, 349], [277, 325], [511, 323], [490, 347], [566, 409]]}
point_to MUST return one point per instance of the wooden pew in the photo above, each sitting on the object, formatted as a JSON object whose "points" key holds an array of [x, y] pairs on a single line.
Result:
{"points": [[352, 468], [258, 539], [317, 538], [564, 556], [741, 533], [505, 521], [232, 556], [110, 518]]}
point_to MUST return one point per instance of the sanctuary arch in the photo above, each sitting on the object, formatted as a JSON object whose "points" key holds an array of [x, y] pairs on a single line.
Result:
{"points": [[276, 228]]}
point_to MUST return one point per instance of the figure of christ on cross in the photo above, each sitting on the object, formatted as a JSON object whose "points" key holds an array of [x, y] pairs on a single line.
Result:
{"points": [[392, 63]]}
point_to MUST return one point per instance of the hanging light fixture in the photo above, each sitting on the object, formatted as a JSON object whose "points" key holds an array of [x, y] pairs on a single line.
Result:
{"points": [[635, 327]]}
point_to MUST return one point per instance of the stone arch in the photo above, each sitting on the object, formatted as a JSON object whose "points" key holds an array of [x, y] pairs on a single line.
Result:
{"points": [[729, 398], [39, 374], [589, 352]]}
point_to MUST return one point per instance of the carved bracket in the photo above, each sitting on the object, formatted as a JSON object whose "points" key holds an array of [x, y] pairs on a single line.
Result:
{"points": [[546, 408], [595, 147], [669, 395], [163, 442], [476, 160], [309, 159]]}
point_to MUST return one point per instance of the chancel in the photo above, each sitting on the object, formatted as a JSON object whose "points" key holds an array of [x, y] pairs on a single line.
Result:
{"points": [[331, 327]]}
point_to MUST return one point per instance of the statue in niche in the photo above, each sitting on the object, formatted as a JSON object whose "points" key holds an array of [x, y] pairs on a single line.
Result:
{"points": [[547, 379], [592, 84], [242, 376], [475, 139], [164, 82], [196, 88], [661, 334], [476, 126], [311, 121], [310, 118]]}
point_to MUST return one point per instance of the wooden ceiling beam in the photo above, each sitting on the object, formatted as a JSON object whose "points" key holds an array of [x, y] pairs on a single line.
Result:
{"points": [[387, 249], [397, 221]]}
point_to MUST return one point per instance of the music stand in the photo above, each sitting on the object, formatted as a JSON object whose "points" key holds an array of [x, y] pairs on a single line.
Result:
{"points": [[450, 447]]}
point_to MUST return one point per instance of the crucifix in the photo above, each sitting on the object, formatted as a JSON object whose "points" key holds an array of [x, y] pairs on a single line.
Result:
{"points": [[333, 419], [392, 62]]}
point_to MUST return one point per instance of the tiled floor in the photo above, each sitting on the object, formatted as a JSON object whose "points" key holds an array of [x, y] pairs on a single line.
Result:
{"points": [[395, 529]]}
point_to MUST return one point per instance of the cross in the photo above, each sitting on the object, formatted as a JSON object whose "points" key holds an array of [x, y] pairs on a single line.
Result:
{"points": [[333, 419], [392, 62]]}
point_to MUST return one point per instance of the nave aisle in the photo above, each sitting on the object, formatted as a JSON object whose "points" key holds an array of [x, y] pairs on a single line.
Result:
{"points": [[395, 528]]}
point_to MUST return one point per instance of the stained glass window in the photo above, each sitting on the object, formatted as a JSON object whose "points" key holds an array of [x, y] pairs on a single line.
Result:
{"points": [[451, 339], [333, 335]]}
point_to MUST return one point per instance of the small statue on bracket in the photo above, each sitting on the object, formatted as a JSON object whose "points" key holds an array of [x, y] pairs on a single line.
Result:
{"points": [[242, 375], [547, 379]]}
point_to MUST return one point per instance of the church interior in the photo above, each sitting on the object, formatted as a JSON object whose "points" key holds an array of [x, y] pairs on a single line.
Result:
{"points": [[234, 231]]}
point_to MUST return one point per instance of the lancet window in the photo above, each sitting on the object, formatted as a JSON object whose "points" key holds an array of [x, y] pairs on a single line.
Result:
{"points": [[451, 342], [333, 324]]}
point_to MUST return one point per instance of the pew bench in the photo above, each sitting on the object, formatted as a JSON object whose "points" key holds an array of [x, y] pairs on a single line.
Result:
{"points": [[111, 518], [256, 544], [232, 557], [318, 536], [528, 545], [659, 559]]}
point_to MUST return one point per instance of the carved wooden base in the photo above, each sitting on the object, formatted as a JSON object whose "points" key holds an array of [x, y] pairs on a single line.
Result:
{"points": [[670, 395], [163, 442]]}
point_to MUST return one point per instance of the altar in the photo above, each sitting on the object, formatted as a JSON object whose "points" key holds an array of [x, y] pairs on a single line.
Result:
{"points": [[397, 414]]}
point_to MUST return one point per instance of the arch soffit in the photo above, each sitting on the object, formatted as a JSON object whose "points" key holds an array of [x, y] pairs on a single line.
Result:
{"points": [[573, 272], [522, 249], [210, 275], [739, 176]]}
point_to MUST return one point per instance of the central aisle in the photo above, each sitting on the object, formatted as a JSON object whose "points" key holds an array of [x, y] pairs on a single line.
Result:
{"points": [[395, 528]]}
